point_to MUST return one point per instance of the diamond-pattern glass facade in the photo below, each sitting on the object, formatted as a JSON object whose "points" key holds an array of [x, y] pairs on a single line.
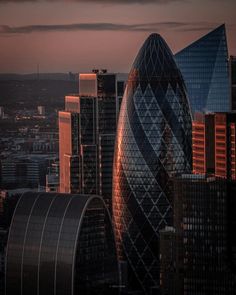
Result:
{"points": [[153, 142], [204, 66]]}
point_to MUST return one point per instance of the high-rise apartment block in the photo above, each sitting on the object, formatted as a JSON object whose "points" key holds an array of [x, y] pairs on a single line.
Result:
{"points": [[205, 69], [87, 130], [214, 144]]}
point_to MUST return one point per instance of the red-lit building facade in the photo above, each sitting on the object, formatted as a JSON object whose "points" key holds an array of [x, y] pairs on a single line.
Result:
{"points": [[214, 144], [68, 150]]}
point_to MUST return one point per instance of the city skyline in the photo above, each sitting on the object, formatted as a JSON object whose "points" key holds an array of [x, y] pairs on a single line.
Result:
{"points": [[77, 36]]}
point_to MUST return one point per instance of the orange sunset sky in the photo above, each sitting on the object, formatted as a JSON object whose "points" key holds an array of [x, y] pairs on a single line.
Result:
{"points": [[77, 36]]}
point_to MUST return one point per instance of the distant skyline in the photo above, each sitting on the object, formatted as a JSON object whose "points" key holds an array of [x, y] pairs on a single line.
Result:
{"points": [[63, 36]]}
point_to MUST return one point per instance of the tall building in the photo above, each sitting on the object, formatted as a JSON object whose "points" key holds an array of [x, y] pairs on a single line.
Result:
{"points": [[68, 151], [87, 131], [153, 142], [61, 244], [205, 235], [204, 66], [214, 144], [232, 64]]}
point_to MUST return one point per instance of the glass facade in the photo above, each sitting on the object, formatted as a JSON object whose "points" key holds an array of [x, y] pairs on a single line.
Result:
{"points": [[204, 66], [106, 155], [153, 142], [57, 242], [204, 225], [87, 135], [233, 81], [68, 146], [88, 120]]}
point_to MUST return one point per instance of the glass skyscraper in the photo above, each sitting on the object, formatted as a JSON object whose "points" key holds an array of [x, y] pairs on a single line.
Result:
{"points": [[232, 64], [153, 142], [205, 69], [87, 130]]}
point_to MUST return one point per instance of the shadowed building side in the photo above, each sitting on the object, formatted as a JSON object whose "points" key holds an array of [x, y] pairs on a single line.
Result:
{"points": [[61, 244]]}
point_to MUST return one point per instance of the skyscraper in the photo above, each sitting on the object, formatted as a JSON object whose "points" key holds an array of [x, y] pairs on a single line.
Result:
{"points": [[205, 230], [68, 151], [87, 131], [214, 144], [232, 64], [204, 66], [153, 142]]}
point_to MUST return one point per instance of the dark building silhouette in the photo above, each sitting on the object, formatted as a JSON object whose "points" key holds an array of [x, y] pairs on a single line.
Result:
{"points": [[204, 226], [214, 144], [168, 254], [7, 207], [205, 69], [153, 142], [87, 131], [61, 244]]}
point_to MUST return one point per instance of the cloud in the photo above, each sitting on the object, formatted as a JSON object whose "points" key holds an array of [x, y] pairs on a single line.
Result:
{"points": [[112, 2], [102, 1], [142, 27]]}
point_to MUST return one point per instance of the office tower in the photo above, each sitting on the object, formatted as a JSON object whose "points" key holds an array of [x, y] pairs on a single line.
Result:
{"points": [[87, 131], [61, 244], [153, 142], [204, 66], [68, 151], [232, 64], [214, 146], [203, 224]]}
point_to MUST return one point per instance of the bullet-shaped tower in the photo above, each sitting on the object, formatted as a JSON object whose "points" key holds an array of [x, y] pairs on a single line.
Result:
{"points": [[153, 143]]}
